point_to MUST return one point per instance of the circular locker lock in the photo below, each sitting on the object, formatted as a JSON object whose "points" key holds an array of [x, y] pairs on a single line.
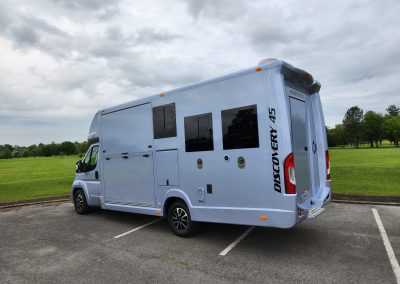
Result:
{"points": [[241, 162], [199, 163]]}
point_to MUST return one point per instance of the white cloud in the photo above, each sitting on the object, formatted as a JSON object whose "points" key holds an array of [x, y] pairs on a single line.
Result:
{"points": [[63, 60]]}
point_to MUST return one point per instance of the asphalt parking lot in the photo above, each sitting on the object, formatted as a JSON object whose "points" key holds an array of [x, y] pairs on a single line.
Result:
{"points": [[52, 244]]}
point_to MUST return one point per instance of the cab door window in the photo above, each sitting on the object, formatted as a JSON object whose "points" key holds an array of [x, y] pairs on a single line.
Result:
{"points": [[90, 160], [93, 158], [85, 162]]}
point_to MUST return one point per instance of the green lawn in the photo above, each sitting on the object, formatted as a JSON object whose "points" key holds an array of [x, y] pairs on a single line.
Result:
{"points": [[366, 171], [363, 171], [29, 178]]}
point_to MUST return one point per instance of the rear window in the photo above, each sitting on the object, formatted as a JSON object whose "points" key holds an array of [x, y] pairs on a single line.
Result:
{"points": [[199, 133], [240, 127], [164, 121]]}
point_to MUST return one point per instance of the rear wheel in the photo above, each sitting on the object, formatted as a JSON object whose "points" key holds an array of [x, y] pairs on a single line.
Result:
{"points": [[80, 203], [179, 220]]}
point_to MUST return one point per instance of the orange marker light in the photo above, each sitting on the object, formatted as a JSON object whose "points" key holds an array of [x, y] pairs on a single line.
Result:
{"points": [[157, 212], [258, 69], [262, 218], [162, 94]]}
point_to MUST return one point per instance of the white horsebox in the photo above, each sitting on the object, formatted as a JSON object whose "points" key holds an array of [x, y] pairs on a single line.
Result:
{"points": [[247, 148]]}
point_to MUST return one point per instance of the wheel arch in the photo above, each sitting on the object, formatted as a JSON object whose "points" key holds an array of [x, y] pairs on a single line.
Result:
{"points": [[79, 186], [172, 196]]}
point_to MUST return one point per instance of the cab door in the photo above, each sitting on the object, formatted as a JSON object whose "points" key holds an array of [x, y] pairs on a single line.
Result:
{"points": [[90, 174]]}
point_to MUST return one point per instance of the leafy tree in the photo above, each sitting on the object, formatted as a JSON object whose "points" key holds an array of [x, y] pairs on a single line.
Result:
{"points": [[340, 134], [336, 136], [8, 147], [67, 148], [51, 149], [84, 147], [393, 110], [6, 154], [330, 137], [352, 123], [373, 127], [392, 127]]}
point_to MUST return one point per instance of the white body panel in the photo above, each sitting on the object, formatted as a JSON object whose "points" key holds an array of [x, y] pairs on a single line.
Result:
{"points": [[140, 174]]}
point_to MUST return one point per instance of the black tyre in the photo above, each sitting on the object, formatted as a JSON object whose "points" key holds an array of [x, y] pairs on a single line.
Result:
{"points": [[179, 220], [80, 203]]}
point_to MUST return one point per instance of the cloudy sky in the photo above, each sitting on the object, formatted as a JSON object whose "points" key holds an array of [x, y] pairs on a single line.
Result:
{"points": [[62, 60]]}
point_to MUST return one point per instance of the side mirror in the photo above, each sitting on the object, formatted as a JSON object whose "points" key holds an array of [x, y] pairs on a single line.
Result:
{"points": [[78, 166]]}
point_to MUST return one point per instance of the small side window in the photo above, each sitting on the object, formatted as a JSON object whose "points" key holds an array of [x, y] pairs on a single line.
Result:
{"points": [[164, 121], [199, 133], [240, 127]]}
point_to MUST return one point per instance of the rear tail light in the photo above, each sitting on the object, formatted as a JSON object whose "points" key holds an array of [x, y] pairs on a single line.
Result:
{"points": [[290, 177], [328, 165]]}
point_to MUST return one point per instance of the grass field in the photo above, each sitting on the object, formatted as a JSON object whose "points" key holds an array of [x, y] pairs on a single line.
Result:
{"points": [[363, 171], [29, 178], [366, 171]]}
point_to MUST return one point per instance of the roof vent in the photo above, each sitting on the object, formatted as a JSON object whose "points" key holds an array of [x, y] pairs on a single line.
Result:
{"points": [[266, 61]]}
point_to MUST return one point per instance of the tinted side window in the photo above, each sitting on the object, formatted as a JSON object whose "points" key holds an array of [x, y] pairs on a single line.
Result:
{"points": [[199, 133], [164, 121], [240, 127]]}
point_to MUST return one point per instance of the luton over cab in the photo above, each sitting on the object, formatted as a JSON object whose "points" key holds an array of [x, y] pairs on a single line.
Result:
{"points": [[247, 148]]}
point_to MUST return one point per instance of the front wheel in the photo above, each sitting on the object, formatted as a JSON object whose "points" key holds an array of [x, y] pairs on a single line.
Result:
{"points": [[80, 203], [179, 220]]}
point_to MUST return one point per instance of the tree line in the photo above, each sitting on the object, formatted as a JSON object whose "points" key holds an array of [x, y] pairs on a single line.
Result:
{"points": [[8, 151], [358, 128]]}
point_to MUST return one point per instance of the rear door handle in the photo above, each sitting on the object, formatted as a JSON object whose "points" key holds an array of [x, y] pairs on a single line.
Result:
{"points": [[314, 147], [146, 155], [125, 157]]}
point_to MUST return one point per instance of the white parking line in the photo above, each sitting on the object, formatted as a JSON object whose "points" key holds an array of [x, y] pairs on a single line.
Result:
{"points": [[138, 228], [388, 246], [232, 245]]}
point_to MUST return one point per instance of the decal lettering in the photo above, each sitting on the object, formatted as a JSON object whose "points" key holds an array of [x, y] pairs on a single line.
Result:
{"points": [[272, 114], [273, 133]]}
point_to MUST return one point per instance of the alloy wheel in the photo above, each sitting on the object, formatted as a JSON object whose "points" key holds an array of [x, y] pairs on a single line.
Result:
{"points": [[79, 202], [180, 219]]}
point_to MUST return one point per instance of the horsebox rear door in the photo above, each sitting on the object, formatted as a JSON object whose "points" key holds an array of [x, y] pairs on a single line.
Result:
{"points": [[299, 131]]}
